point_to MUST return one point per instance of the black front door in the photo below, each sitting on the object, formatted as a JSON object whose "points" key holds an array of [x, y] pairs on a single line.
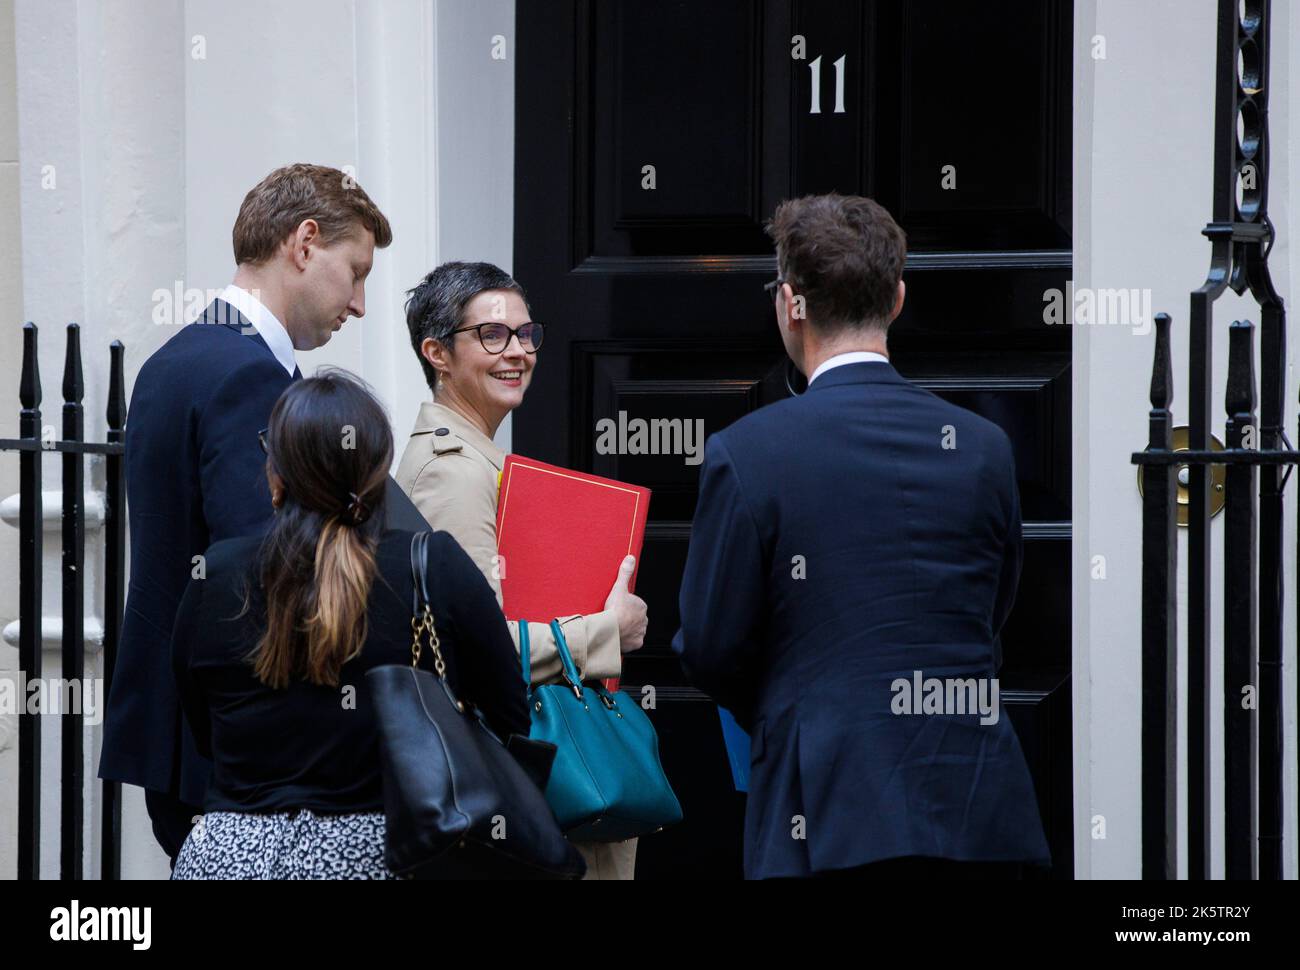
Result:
{"points": [[653, 139]]}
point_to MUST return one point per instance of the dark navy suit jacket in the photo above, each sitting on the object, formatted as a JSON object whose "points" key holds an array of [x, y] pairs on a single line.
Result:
{"points": [[195, 474], [838, 547]]}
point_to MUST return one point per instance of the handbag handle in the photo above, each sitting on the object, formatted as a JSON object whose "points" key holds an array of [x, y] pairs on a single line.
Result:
{"points": [[525, 653], [568, 667], [562, 645], [422, 620], [566, 659], [422, 614]]}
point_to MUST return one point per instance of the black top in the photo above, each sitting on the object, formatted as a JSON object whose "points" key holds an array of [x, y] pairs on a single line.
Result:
{"points": [[316, 747]]}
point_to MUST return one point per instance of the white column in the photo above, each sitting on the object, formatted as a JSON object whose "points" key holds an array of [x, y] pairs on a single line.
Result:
{"points": [[1143, 165], [140, 128], [476, 139], [11, 309], [101, 112]]}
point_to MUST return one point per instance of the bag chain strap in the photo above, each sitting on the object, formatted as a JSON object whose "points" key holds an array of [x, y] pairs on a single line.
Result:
{"points": [[419, 625]]}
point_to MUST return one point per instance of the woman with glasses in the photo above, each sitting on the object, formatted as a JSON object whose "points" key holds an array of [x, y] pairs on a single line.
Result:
{"points": [[476, 340], [273, 640]]}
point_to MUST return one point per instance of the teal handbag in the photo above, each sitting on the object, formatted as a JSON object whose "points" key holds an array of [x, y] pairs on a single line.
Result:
{"points": [[606, 783]]}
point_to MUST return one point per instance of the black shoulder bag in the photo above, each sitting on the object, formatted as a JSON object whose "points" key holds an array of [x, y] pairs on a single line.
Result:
{"points": [[458, 802]]}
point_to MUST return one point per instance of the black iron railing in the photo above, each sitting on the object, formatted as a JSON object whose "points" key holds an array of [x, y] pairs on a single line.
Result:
{"points": [[31, 445], [1241, 236]]}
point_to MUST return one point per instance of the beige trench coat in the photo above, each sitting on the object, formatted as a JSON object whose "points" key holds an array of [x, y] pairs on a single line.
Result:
{"points": [[451, 470]]}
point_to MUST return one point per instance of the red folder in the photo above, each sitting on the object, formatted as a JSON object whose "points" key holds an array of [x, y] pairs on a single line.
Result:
{"points": [[561, 536]]}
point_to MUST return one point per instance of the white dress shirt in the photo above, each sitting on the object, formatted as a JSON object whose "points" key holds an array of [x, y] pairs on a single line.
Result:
{"points": [[839, 360], [264, 322]]}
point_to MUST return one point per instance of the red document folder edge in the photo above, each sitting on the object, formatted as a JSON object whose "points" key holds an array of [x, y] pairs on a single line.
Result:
{"points": [[561, 536]]}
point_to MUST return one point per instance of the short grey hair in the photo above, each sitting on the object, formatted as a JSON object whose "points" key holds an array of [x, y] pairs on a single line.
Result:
{"points": [[436, 305]]}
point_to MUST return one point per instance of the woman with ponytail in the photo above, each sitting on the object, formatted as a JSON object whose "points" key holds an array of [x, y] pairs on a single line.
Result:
{"points": [[275, 634]]}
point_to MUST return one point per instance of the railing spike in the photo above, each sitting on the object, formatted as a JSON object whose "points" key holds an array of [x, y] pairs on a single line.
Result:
{"points": [[1162, 370], [29, 385], [116, 386], [1240, 397], [74, 385]]}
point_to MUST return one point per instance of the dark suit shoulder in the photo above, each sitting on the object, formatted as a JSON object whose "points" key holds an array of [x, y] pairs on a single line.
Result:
{"points": [[760, 425], [990, 434], [779, 421], [201, 337], [809, 426], [209, 352]]}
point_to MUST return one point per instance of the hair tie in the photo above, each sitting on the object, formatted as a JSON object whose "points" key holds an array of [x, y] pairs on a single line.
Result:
{"points": [[356, 509]]}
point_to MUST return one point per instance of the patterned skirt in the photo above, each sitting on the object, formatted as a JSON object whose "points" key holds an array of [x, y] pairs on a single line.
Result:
{"points": [[284, 845]]}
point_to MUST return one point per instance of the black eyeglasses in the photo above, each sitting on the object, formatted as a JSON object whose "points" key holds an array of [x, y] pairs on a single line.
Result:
{"points": [[261, 440], [771, 288], [495, 337]]}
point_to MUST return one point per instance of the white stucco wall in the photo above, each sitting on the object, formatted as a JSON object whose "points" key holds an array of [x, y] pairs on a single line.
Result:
{"points": [[1143, 166], [159, 115], [430, 138], [11, 309]]}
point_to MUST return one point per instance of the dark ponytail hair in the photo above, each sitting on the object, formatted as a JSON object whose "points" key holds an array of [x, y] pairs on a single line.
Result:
{"points": [[330, 442]]}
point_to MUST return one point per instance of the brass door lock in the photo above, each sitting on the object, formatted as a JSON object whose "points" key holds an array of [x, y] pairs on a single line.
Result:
{"points": [[1218, 475]]}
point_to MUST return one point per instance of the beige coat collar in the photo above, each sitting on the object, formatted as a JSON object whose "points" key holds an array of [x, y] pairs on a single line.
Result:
{"points": [[434, 416]]}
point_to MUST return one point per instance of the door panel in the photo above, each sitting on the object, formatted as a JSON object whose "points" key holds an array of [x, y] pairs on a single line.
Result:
{"points": [[654, 302]]}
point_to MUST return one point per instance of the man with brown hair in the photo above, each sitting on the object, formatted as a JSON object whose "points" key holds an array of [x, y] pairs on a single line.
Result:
{"points": [[304, 242], [849, 545]]}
